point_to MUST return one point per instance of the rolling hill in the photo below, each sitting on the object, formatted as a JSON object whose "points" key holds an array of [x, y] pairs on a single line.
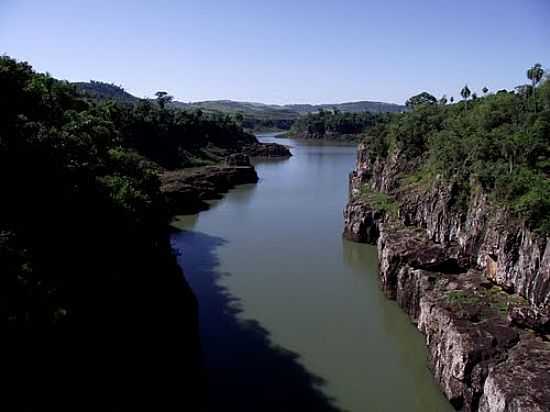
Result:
{"points": [[254, 115]]}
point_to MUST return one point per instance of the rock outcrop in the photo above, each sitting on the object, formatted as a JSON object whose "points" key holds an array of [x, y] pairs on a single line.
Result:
{"points": [[474, 280], [266, 150], [187, 190]]}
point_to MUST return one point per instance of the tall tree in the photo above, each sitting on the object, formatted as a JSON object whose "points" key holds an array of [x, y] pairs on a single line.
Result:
{"points": [[163, 98], [485, 90], [465, 93], [535, 74], [423, 98]]}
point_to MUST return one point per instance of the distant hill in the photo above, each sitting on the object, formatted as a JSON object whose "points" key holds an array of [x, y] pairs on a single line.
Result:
{"points": [[351, 107], [254, 116], [101, 90], [259, 110], [112, 91]]}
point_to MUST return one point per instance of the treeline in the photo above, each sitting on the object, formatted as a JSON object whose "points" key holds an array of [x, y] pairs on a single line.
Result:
{"points": [[175, 138], [84, 243], [336, 125], [80, 175], [499, 143], [259, 124]]}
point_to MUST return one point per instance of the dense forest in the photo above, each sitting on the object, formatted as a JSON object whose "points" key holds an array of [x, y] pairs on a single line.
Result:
{"points": [[499, 143], [337, 125], [86, 265]]}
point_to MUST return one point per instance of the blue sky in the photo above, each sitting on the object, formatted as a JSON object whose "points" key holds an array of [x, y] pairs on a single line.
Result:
{"points": [[282, 51]]}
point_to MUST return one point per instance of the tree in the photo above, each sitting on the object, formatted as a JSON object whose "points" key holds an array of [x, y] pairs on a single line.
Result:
{"points": [[474, 96], [525, 91], [465, 93], [535, 74], [163, 98], [443, 100], [485, 90], [239, 118], [423, 98], [452, 100]]}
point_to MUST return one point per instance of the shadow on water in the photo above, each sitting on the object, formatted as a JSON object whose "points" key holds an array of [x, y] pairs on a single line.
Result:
{"points": [[245, 371]]}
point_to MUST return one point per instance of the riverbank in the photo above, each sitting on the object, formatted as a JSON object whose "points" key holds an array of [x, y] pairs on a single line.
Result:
{"points": [[476, 285], [187, 191], [285, 303], [327, 138]]}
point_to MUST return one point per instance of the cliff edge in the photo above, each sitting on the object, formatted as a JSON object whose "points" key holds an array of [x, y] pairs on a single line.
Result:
{"points": [[472, 277]]}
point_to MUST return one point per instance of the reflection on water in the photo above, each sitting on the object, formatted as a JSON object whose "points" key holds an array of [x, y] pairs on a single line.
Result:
{"points": [[292, 316], [359, 257], [247, 371]]}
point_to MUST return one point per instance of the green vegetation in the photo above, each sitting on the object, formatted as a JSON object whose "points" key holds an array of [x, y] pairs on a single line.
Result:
{"points": [[336, 125], [499, 143], [420, 99], [174, 138], [84, 226], [350, 107], [256, 117], [380, 202], [251, 116], [493, 299], [105, 91]]}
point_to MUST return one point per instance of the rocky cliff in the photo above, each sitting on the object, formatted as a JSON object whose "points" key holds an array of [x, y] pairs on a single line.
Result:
{"points": [[475, 280]]}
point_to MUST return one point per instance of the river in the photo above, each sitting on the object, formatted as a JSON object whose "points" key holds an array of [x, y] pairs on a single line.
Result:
{"points": [[292, 317]]}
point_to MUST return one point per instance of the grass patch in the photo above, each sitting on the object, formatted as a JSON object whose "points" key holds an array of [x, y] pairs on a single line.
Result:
{"points": [[380, 201], [494, 299], [421, 178]]}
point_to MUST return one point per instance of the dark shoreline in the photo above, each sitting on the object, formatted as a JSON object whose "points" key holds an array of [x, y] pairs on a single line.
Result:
{"points": [[188, 190]]}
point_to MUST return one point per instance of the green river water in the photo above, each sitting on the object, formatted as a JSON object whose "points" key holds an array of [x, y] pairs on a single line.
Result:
{"points": [[292, 317]]}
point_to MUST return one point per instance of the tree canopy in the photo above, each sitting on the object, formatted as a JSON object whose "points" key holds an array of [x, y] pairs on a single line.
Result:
{"points": [[420, 99], [336, 124], [80, 178], [501, 144]]}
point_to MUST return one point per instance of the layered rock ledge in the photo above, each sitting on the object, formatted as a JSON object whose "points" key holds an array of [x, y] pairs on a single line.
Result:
{"points": [[476, 284], [187, 190]]}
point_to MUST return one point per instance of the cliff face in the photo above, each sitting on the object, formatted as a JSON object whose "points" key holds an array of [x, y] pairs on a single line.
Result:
{"points": [[474, 280], [511, 255]]}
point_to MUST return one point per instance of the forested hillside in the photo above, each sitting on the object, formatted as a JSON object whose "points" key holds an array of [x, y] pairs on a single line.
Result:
{"points": [[499, 143], [336, 125], [251, 116], [350, 107], [105, 91], [85, 261]]}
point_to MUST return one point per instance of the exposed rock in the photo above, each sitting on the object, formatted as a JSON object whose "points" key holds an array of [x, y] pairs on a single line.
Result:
{"points": [[237, 159], [187, 190], [514, 257], [521, 382], [266, 150], [399, 246], [524, 316], [472, 278], [360, 222]]}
